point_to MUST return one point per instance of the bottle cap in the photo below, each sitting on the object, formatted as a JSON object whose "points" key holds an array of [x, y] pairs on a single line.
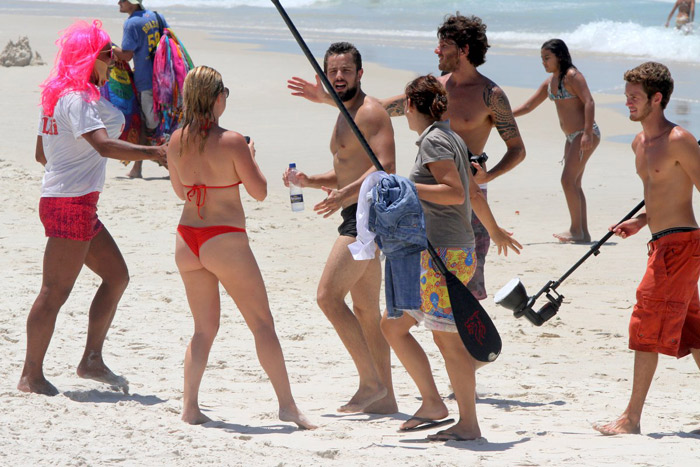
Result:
{"points": [[292, 165]]}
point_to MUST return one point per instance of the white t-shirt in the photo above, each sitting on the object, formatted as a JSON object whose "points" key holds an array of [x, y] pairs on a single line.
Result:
{"points": [[73, 167]]}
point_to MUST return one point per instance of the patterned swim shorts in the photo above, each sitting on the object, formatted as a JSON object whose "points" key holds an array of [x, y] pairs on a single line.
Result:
{"points": [[436, 310], [73, 218]]}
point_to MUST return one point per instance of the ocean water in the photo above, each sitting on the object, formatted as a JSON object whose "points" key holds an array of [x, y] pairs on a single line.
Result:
{"points": [[606, 37]]}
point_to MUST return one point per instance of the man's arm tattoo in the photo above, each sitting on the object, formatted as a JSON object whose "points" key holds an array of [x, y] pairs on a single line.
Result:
{"points": [[396, 108], [496, 100]]}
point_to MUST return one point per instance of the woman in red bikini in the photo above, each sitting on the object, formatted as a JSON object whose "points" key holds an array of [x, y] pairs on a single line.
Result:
{"points": [[208, 165], [78, 131]]}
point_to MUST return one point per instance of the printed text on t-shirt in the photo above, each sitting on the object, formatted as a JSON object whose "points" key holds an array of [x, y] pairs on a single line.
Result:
{"points": [[49, 126]]}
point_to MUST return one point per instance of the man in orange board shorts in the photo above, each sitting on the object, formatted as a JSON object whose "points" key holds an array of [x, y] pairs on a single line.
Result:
{"points": [[666, 318]]}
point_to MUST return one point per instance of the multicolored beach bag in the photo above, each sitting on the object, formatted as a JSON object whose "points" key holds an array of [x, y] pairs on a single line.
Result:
{"points": [[170, 66], [120, 90]]}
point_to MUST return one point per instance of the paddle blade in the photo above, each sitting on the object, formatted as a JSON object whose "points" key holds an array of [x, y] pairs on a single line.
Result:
{"points": [[477, 331]]}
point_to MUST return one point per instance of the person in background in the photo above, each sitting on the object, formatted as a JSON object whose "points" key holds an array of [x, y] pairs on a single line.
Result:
{"points": [[140, 39], [568, 90], [686, 13]]}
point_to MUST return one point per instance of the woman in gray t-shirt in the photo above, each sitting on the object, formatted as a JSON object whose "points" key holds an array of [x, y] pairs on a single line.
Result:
{"points": [[448, 194]]}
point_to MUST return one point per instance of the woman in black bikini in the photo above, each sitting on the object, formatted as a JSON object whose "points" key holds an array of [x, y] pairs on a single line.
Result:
{"points": [[207, 164], [576, 110]]}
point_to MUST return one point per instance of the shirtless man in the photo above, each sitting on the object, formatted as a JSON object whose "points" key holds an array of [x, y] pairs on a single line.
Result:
{"points": [[666, 318], [475, 105], [358, 328], [686, 13]]}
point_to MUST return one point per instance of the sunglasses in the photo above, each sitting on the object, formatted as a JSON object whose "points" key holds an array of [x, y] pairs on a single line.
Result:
{"points": [[226, 92], [110, 52]]}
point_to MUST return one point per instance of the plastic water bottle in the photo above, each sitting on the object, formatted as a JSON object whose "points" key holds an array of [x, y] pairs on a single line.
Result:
{"points": [[295, 194]]}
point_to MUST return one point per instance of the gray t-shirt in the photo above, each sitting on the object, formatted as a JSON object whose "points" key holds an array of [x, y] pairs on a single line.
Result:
{"points": [[447, 226]]}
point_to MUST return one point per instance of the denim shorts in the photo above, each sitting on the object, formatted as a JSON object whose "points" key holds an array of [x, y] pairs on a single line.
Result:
{"points": [[402, 284]]}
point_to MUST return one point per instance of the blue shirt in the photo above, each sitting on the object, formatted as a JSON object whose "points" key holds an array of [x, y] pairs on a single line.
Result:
{"points": [[141, 36]]}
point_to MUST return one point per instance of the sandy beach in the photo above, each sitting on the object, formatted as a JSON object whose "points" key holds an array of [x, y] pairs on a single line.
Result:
{"points": [[536, 402]]}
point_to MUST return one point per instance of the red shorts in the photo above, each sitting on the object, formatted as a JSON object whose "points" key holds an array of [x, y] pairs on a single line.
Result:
{"points": [[666, 318], [73, 218]]}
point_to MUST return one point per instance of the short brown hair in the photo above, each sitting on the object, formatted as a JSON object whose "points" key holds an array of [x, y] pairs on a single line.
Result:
{"points": [[469, 31], [342, 48], [654, 77], [428, 95]]}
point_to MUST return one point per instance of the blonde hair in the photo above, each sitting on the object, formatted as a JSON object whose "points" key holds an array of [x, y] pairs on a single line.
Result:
{"points": [[200, 91]]}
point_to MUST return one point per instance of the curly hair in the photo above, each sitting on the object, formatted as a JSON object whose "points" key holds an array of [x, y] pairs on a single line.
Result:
{"points": [[78, 48], [654, 77], [466, 30], [428, 95]]}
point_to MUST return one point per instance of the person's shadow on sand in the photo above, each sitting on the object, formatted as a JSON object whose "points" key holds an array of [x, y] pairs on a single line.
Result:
{"points": [[695, 434], [478, 445], [111, 397], [147, 179], [557, 242], [362, 417], [281, 429], [507, 403]]}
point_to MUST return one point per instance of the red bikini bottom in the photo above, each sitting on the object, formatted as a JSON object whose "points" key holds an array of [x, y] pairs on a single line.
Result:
{"points": [[195, 237]]}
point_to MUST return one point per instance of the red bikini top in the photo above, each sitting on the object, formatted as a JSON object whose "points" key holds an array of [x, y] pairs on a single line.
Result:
{"points": [[200, 191]]}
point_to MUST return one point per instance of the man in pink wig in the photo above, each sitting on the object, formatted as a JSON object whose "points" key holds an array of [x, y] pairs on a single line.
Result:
{"points": [[78, 131]]}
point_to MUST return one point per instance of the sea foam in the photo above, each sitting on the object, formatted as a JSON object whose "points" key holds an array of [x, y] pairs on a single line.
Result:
{"points": [[611, 37]]}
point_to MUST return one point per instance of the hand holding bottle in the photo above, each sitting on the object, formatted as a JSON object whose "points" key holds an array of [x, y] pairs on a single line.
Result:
{"points": [[292, 179]]}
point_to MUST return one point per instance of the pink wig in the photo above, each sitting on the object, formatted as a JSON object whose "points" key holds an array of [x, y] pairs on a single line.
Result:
{"points": [[78, 48]]}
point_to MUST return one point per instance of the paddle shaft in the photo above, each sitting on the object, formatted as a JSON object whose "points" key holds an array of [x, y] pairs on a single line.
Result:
{"points": [[594, 249], [339, 103]]}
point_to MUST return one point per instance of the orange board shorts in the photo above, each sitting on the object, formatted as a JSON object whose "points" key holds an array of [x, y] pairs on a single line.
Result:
{"points": [[666, 318]]}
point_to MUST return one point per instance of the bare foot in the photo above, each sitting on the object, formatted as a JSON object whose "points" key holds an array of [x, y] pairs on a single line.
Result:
{"points": [[194, 417], [40, 386], [621, 426], [456, 433], [294, 415], [92, 367], [135, 171], [385, 405], [425, 412], [568, 237], [363, 398]]}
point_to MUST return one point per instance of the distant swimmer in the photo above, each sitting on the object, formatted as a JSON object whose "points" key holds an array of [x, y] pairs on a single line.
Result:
{"points": [[686, 14], [567, 88]]}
